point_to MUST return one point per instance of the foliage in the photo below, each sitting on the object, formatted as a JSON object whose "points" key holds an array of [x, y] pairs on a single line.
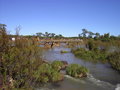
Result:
{"points": [[114, 59], [55, 76], [21, 61], [76, 70], [49, 35], [63, 51], [96, 55], [91, 45], [101, 50], [96, 36], [46, 73], [57, 65]]}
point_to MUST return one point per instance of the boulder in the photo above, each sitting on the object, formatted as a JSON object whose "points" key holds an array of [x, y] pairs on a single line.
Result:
{"points": [[65, 64]]}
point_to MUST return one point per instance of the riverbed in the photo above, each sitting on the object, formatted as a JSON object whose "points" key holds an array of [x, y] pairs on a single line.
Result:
{"points": [[101, 77]]}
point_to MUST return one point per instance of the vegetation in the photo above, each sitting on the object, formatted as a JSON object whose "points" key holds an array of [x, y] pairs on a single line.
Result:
{"points": [[49, 35], [96, 36], [91, 53], [63, 51], [100, 48], [114, 59], [76, 70], [57, 65], [21, 65], [46, 73]]}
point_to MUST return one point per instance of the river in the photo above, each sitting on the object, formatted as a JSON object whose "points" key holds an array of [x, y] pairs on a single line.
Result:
{"points": [[101, 77]]}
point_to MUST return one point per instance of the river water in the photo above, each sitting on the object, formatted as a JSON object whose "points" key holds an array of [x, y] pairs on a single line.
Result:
{"points": [[101, 77]]}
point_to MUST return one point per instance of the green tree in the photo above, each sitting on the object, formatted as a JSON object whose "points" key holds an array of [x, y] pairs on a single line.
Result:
{"points": [[97, 35], [47, 34], [90, 34], [52, 35], [84, 32], [39, 34]]}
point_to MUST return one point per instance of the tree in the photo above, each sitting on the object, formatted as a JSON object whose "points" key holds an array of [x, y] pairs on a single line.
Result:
{"points": [[4, 39], [84, 32], [60, 35], [90, 34], [106, 35], [52, 35], [39, 34], [3, 27], [97, 35], [47, 34], [80, 35]]}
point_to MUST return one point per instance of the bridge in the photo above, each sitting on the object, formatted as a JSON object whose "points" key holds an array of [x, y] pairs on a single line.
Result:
{"points": [[53, 42]]}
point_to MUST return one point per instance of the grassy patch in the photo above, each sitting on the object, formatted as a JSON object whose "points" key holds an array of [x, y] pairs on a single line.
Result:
{"points": [[77, 71], [63, 51], [90, 55]]}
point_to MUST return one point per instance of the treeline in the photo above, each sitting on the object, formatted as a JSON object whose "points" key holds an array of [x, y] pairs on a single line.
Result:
{"points": [[86, 34], [49, 35], [40, 35], [96, 36]]}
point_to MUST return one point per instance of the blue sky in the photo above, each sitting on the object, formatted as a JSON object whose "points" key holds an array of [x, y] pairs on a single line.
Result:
{"points": [[66, 17]]}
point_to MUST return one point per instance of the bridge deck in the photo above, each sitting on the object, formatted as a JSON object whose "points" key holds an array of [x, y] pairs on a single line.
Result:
{"points": [[60, 41]]}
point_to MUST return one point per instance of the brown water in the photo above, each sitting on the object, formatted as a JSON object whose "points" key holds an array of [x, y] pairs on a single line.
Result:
{"points": [[101, 77]]}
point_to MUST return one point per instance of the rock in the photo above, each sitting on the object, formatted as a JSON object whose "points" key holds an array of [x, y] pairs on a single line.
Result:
{"points": [[45, 61], [65, 64], [82, 75]]}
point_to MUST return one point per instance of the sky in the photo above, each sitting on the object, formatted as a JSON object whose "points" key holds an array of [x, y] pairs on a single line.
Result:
{"points": [[66, 17]]}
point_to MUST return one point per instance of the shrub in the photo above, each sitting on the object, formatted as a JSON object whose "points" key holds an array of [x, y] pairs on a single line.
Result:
{"points": [[91, 45], [57, 65], [114, 59], [76, 70], [97, 55], [46, 73], [56, 76], [19, 59], [42, 73], [63, 51]]}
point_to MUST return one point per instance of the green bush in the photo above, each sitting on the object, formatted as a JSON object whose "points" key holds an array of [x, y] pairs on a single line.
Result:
{"points": [[42, 73], [76, 70], [63, 51], [56, 76], [57, 65], [46, 73], [97, 55], [114, 59], [91, 45]]}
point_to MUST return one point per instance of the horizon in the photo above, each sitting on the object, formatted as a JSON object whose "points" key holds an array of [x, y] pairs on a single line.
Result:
{"points": [[66, 17]]}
